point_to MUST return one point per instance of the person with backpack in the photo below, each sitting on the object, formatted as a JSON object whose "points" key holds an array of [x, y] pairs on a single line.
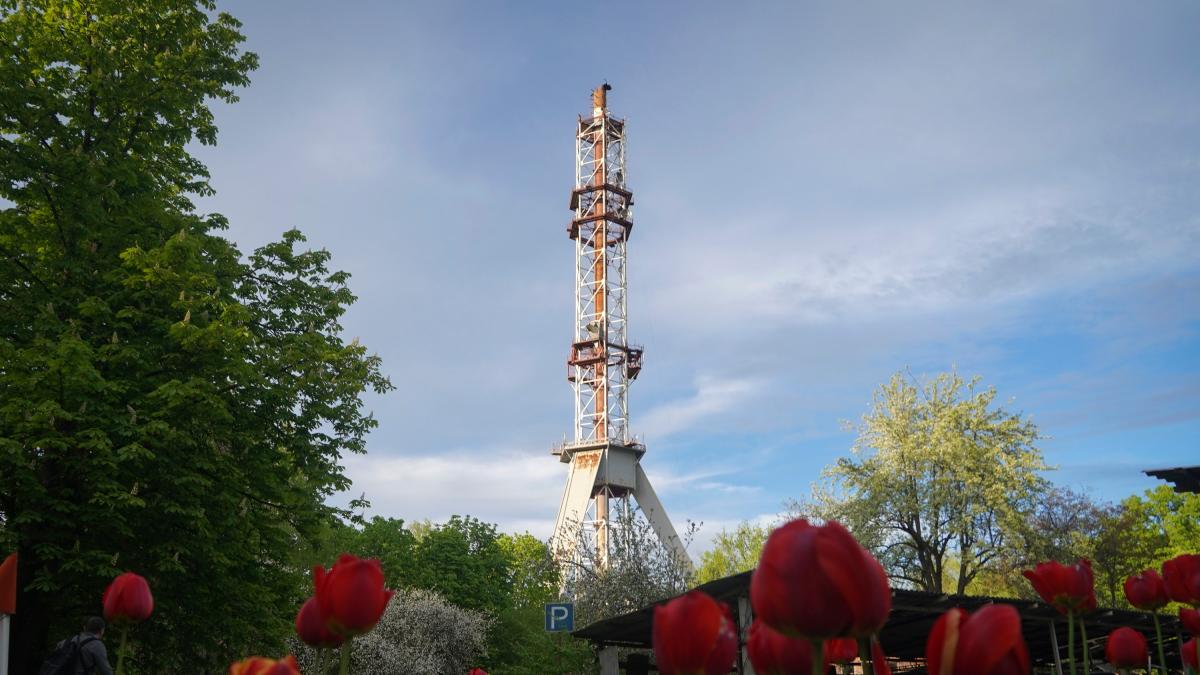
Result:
{"points": [[83, 654]]}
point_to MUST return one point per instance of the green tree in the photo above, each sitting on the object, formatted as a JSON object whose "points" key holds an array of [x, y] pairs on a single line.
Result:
{"points": [[733, 552], [939, 476], [1065, 526], [519, 643], [385, 539], [166, 406], [533, 573], [1174, 515], [464, 561], [1125, 543]]}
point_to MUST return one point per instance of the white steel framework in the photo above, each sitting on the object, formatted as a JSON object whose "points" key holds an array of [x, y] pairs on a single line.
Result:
{"points": [[605, 471]]}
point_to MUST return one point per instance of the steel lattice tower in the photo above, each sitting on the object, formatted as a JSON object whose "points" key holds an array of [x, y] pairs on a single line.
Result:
{"points": [[605, 469]]}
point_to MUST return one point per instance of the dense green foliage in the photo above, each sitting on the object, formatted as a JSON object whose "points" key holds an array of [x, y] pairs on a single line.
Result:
{"points": [[938, 480], [470, 564], [166, 405], [733, 552]]}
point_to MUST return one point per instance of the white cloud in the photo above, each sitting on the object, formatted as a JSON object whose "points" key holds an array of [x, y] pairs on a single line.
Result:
{"points": [[778, 270], [517, 490], [713, 396]]}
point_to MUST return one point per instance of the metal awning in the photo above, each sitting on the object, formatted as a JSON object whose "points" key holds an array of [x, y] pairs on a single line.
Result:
{"points": [[1185, 478], [912, 617]]}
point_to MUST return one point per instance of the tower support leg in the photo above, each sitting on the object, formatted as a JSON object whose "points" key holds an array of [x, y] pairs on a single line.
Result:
{"points": [[573, 508], [657, 515]]}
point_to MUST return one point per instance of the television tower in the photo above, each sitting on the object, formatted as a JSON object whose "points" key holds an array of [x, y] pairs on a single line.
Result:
{"points": [[605, 468]]}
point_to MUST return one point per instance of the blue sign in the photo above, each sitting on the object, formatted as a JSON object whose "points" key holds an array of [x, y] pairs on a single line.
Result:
{"points": [[560, 616]]}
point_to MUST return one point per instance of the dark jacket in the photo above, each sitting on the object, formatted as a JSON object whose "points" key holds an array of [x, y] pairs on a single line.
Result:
{"points": [[94, 655]]}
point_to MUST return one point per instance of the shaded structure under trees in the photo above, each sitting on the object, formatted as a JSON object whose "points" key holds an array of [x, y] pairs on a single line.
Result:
{"points": [[907, 629]]}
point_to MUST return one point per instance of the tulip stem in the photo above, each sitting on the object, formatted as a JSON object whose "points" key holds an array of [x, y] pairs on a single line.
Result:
{"points": [[1162, 659], [818, 657], [864, 655], [1087, 661], [345, 667], [121, 651], [1071, 640]]}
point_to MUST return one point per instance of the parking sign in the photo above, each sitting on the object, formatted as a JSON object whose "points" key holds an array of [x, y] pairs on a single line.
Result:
{"points": [[560, 616]]}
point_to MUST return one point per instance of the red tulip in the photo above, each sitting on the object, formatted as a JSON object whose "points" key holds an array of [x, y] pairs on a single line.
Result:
{"points": [[1126, 648], [8, 585], [351, 595], [1181, 575], [694, 635], [311, 628], [841, 650], [1191, 658], [1190, 618], [477, 671], [988, 642], [817, 582], [257, 665], [879, 659], [1146, 591], [1069, 588], [774, 653], [127, 600]]}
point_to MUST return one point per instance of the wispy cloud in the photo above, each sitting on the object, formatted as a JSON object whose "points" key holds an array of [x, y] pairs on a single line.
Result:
{"points": [[712, 397]]}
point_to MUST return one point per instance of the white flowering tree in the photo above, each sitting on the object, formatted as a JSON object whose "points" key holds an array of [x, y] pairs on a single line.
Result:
{"points": [[420, 634], [638, 570]]}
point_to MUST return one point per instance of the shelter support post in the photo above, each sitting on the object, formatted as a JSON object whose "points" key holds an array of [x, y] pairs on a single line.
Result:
{"points": [[745, 616], [609, 665], [5, 620], [1054, 645]]}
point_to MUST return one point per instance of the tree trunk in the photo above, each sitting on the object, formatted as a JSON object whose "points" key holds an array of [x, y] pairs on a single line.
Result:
{"points": [[31, 624]]}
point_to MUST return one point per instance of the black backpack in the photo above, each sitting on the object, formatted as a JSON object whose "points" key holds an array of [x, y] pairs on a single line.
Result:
{"points": [[67, 657]]}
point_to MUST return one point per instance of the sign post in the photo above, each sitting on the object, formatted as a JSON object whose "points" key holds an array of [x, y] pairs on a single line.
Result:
{"points": [[560, 617]]}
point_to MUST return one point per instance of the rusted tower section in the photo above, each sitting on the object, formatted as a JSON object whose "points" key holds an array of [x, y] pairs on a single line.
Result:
{"points": [[605, 471]]}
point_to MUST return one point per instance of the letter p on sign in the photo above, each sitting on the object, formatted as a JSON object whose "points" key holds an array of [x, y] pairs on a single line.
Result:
{"points": [[560, 616]]}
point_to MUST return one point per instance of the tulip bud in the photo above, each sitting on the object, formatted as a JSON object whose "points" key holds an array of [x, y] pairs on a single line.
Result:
{"points": [[127, 600], [8, 585], [694, 635], [1068, 588], [988, 642], [311, 628], [1191, 658], [1126, 648], [351, 595], [817, 582], [257, 665], [1181, 576], [841, 650], [774, 653], [1146, 591], [1190, 618]]}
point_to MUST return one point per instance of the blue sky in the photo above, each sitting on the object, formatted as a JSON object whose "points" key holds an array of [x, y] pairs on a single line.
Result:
{"points": [[826, 194]]}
